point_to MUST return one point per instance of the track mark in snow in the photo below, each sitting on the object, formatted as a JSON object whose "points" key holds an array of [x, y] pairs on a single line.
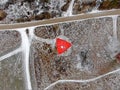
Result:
{"points": [[49, 41], [26, 49], [115, 27], [81, 81], [10, 54]]}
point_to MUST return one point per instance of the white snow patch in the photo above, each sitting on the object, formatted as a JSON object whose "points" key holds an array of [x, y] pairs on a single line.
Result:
{"points": [[26, 49]]}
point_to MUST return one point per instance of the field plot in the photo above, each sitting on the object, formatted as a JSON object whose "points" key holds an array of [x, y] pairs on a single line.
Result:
{"points": [[11, 66], [94, 47], [11, 73]]}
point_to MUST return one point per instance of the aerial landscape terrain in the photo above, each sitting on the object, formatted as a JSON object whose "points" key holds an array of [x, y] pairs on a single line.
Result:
{"points": [[30, 56]]}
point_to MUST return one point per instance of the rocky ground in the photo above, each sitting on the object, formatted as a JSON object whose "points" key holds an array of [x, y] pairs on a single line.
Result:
{"points": [[17, 11], [91, 59], [89, 56]]}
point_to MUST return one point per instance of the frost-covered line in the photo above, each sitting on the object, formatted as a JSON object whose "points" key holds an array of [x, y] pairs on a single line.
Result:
{"points": [[10, 54], [81, 81], [61, 29], [26, 49], [49, 41], [70, 9], [115, 26], [114, 43], [31, 34]]}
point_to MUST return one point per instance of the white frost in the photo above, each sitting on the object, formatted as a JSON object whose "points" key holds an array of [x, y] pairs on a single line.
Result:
{"points": [[3, 2], [26, 49], [114, 44]]}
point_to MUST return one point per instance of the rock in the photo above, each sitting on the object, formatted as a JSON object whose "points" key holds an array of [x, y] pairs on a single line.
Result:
{"points": [[118, 57], [44, 1], [65, 7], [3, 14], [43, 15], [84, 7], [106, 5], [23, 20], [29, 1]]}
